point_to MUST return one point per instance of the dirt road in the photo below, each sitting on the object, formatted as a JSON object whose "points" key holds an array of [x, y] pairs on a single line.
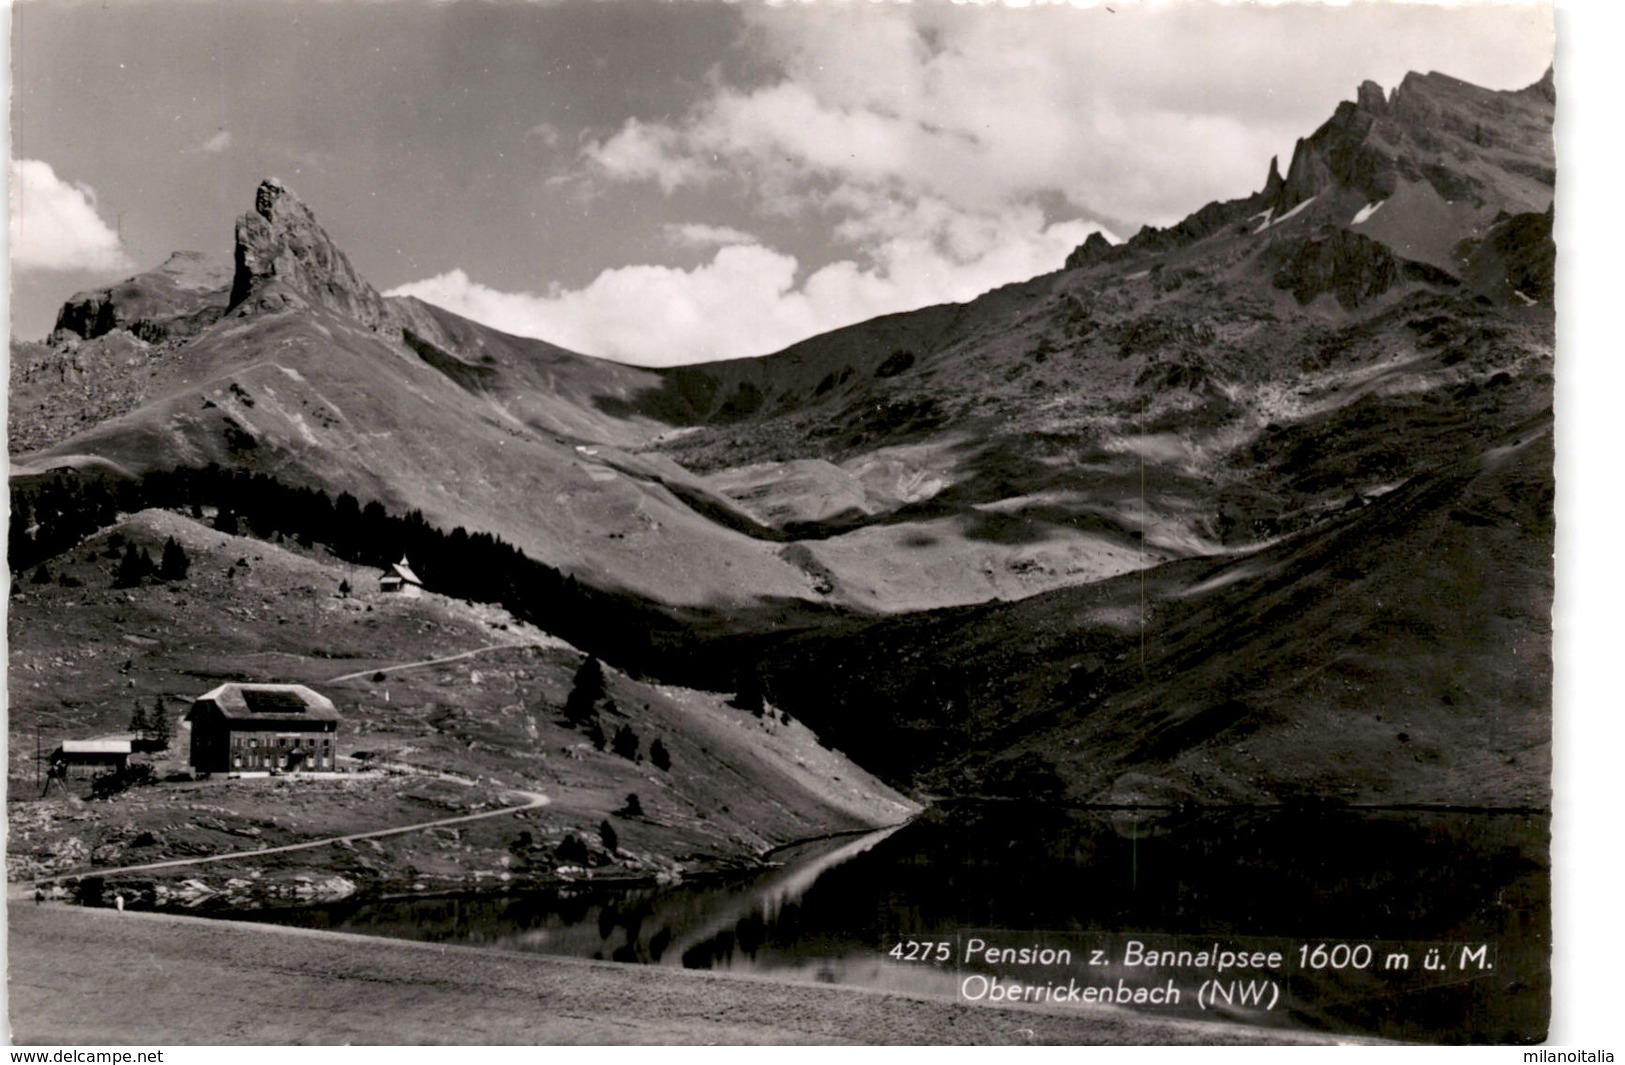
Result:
{"points": [[438, 661], [533, 799]]}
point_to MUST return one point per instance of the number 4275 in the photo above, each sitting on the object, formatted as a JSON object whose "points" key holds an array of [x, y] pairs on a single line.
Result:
{"points": [[922, 950]]}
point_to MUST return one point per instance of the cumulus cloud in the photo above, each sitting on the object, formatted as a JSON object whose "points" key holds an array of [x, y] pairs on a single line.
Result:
{"points": [[1142, 116], [749, 299], [699, 235], [55, 225], [645, 152], [217, 143], [922, 139]]}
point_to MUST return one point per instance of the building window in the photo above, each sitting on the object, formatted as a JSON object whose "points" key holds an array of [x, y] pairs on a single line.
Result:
{"points": [[253, 741]]}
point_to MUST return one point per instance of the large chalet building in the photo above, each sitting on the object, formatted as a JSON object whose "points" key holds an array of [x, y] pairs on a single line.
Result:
{"points": [[261, 727]]}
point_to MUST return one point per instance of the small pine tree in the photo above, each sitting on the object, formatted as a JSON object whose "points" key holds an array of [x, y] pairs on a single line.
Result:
{"points": [[226, 522], [625, 743], [158, 723], [139, 724], [344, 588], [633, 807], [659, 755], [130, 570], [595, 733], [175, 562], [606, 832], [42, 575]]}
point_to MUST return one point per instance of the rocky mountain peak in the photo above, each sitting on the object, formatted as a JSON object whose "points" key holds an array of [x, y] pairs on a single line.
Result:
{"points": [[1093, 250], [1371, 99], [285, 259]]}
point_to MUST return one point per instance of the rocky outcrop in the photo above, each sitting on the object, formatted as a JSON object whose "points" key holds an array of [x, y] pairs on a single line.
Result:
{"points": [[1370, 99], [1352, 267], [1341, 153], [177, 300], [285, 259], [1516, 262], [1096, 249]]}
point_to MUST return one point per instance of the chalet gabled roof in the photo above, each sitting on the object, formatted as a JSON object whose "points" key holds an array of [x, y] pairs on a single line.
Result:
{"points": [[268, 703], [402, 571]]}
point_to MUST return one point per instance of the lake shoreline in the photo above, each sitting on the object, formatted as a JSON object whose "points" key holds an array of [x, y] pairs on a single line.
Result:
{"points": [[91, 976]]}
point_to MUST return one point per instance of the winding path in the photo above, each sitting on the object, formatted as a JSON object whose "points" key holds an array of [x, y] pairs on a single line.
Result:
{"points": [[425, 662]]}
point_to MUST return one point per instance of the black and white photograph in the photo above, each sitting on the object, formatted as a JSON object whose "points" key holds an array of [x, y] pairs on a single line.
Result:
{"points": [[633, 522]]}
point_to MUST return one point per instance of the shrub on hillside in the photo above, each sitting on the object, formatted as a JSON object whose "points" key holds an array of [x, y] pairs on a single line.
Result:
{"points": [[626, 743], [586, 691], [135, 775]]}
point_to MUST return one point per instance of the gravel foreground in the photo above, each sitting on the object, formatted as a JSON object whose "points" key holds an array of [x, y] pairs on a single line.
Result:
{"points": [[87, 976]]}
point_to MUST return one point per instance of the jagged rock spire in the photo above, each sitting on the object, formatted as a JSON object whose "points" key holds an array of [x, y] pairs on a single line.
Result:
{"points": [[1274, 182], [284, 258], [1370, 98]]}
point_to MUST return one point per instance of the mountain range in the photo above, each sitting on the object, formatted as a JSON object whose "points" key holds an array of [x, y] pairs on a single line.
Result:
{"points": [[1252, 508]]}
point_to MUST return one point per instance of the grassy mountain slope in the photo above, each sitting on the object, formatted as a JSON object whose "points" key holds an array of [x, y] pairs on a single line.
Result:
{"points": [[83, 656], [1399, 654], [1177, 521]]}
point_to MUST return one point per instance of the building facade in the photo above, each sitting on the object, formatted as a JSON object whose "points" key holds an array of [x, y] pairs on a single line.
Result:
{"points": [[78, 758], [399, 579], [263, 727]]}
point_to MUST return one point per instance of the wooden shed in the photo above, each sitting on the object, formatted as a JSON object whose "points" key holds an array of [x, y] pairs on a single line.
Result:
{"points": [[91, 757]]}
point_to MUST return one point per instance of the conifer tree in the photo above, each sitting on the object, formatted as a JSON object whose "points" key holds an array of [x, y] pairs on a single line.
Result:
{"points": [[158, 723], [606, 832], [588, 688], [138, 720], [130, 568], [659, 755], [175, 562]]}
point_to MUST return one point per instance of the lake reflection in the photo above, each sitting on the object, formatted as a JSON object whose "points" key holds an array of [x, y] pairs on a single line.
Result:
{"points": [[833, 911]]}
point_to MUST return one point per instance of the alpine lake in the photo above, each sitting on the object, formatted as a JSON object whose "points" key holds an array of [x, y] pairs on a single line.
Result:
{"points": [[1430, 926]]}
